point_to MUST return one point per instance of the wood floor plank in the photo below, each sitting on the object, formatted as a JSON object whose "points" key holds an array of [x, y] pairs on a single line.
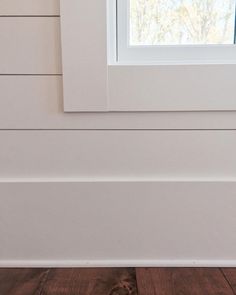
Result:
{"points": [[184, 281], [21, 281], [91, 282], [230, 274]]}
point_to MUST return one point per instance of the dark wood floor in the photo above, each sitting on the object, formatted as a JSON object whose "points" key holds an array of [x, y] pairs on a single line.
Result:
{"points": [[121, 281]]}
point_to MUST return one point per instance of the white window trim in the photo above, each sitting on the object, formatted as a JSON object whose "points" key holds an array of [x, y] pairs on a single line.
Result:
{"points": [[95, 82], [165, 54]]}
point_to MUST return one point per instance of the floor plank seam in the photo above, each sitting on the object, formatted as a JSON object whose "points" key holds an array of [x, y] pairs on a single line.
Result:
{"points": [[221, 270], [136, 282], [43, 282]]}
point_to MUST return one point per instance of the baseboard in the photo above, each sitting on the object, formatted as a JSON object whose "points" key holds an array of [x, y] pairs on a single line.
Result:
{"points": [[117, 222], [116, 263]]}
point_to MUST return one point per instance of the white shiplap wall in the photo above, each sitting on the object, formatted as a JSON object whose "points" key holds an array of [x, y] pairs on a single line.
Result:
{"points": [[30, 45], [85, 184], [29, 7]]}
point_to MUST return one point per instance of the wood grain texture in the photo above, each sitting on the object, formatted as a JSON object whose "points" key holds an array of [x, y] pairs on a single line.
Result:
{"points": [[230, 275], [90, 282], [118, 281], [184, 281], [22, 281]]}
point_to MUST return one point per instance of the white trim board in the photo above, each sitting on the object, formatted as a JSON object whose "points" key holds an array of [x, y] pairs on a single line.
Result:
{"points": [[171, 88], [117, 223], [93, 83], [115, 263]]}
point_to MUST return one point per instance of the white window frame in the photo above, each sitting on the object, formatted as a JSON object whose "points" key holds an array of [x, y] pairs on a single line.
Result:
{"points": [[166, 54], [94, 81]]}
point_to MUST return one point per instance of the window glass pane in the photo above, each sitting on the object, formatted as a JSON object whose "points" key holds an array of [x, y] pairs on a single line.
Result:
{"points": [[172, 22]]}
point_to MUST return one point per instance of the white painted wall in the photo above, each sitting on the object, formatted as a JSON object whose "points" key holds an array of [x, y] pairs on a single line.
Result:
{"points": [[74, 195]]}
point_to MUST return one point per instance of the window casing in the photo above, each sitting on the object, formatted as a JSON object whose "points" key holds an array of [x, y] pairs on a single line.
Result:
{"points": [[94, 81]]}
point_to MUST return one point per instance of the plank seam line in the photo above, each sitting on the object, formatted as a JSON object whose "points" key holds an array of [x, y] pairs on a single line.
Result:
{"points": [[225, 277], [2, 75], [136, 281], [28, 16], [116, 129], [43, 282]]}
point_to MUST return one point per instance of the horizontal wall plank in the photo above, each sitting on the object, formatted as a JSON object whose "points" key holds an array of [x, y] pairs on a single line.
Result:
{"points": [[118, 154], [30, 45], [101, 224], [29, 7], [37, 103]]}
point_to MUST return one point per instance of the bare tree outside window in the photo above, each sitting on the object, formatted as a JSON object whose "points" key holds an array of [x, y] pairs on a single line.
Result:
{"points": [[186, 22]]}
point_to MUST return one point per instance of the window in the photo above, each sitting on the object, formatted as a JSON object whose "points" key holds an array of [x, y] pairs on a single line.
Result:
{"points": [[176, 31], [203, 80]]}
